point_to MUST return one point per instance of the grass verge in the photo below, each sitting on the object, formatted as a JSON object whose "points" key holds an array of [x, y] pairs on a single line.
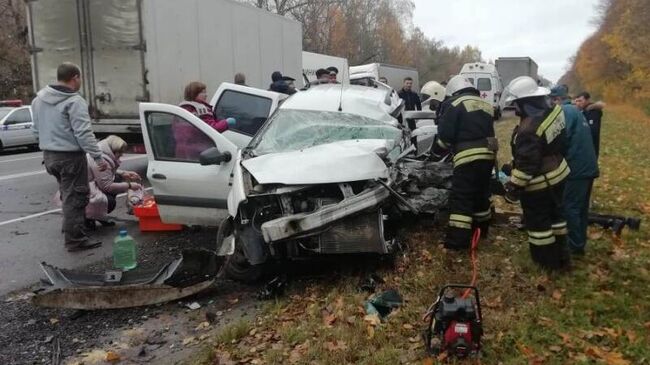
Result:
{"points": [[597, 314]]}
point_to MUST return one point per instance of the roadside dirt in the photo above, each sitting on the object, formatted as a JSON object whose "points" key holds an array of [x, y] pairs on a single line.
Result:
{"points": [[163, 334]]}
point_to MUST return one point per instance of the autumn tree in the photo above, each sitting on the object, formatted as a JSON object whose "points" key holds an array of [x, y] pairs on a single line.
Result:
{"points": [[15, 72]]}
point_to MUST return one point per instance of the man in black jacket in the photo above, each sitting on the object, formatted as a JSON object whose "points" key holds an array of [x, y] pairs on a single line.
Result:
{"points": [[466, 128], [411, 99], [593, 113]]}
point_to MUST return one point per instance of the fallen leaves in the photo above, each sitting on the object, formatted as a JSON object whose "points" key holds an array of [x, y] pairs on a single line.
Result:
{"points": [[611, 358], [372, 319], [112, 357], [335, 345]]}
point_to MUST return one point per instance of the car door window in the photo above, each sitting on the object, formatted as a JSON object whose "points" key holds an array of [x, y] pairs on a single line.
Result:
{"points": [[175, 139], [471, 79], [19, 117], [250, 111], [484, 84]]}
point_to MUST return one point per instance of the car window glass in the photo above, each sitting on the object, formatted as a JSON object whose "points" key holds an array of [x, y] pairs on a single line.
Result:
{"points": [[484, 84], [4, 112], [250, 111], [18, 117], [471, 79], [173, 138]]}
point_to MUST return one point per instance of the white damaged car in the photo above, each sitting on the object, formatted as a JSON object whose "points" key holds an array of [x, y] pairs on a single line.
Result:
{"points": [[319, 177]]}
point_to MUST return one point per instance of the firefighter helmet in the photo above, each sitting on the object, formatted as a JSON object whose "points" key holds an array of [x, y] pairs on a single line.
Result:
{"points": [[458, 83], [522, 87], [433, 90]]}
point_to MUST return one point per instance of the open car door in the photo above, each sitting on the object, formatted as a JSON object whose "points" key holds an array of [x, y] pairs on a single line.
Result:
{"points": [[250, 106], [189, 165]]}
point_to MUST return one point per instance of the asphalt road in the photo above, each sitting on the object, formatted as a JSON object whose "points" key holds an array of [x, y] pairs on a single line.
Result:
{"points": [[30, 223]]}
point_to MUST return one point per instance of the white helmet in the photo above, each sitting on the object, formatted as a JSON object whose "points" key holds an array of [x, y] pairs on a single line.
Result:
{"points": [[522, 87], [433, 90], [458, 83]]}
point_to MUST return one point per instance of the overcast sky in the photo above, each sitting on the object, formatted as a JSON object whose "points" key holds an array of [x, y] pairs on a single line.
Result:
{"points": [[549, 31]]}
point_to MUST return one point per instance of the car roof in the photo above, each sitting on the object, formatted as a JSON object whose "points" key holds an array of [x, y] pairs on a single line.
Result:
{"points": [[353, 99]]}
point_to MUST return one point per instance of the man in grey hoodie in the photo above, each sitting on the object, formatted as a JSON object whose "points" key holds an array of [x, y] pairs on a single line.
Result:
{"points": [[62, 125]]}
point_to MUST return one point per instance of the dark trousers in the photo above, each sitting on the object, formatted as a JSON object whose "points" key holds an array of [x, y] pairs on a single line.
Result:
{"points": [[577, 195], [547, 229], [71, 172], [469, 202]]}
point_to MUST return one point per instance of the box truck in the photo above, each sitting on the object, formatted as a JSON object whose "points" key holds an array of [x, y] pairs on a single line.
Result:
{"points": [[313, 61], [510, 68], [365, 74], [133, 51]]}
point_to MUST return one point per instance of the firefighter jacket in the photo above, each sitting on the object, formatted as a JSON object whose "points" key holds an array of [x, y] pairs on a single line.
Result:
{"points": [[466, 126], [538, 146]]}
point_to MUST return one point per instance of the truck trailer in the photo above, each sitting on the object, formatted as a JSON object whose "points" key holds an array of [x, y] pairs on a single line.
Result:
{"points": [[133, 51], [509, 68], [311, 62], [394, 74]]}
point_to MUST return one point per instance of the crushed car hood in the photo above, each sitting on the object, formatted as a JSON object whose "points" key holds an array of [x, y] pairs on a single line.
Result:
{"points": [[335, 162]]}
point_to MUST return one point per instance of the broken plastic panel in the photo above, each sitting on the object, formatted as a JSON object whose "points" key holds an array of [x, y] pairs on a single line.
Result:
{"points": [[189, 274]]}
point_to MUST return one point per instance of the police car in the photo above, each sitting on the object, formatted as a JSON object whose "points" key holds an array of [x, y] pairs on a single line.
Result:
{"points": [[16, 127]]}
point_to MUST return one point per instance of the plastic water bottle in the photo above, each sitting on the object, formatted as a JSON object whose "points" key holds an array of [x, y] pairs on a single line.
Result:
{"points": [[124, 255]]}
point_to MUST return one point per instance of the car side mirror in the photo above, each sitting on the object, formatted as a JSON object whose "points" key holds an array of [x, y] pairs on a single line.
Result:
{"points": [[212, 156]]}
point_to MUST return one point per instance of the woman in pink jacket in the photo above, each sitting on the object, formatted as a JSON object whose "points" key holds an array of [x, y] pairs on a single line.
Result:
{"points": [[107, 184], [190, 141]]}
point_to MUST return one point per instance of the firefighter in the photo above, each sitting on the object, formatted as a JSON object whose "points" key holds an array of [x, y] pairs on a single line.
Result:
{"points": [[433, 94], [539, 171], [465, 127]]}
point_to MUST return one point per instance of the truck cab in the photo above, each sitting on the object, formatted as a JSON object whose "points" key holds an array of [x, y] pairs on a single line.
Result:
{"points": [[485, 78]]}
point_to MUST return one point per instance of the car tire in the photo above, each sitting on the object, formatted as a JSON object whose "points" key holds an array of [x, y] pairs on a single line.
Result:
{"points": [[238, 268]]}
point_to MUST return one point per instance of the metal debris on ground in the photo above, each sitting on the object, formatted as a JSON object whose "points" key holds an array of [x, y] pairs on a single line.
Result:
{"points": [[275, 287], [369, 283], [194, 271]]}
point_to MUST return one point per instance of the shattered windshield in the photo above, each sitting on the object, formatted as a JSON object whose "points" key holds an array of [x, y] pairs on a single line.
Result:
{"points": [[291, 130]]}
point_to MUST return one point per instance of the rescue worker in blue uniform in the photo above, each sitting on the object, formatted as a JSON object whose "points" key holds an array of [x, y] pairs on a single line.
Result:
{"points": [[581, 157]]}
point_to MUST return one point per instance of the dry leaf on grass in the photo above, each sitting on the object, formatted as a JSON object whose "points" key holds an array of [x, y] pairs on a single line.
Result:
{"points": [[335, 345], [329, 319], [371, 331], [112, 356], [372, 319], [557, 295]]}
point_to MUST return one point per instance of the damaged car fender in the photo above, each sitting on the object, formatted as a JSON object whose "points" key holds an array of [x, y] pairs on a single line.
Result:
{"points": [[237, 192]]}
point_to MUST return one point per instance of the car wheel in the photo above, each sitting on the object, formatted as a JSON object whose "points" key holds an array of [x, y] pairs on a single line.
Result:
{"points": [[237, 266]]}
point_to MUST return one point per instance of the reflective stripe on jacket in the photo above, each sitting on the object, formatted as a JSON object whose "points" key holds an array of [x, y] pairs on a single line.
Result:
{"points": [[537, 148]]}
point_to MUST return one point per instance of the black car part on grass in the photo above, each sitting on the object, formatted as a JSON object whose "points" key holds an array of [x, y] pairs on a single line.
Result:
{"points": [[614, 222]]}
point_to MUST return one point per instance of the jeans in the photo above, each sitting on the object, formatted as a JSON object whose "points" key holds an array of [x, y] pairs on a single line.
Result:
{"points": [[577, 194], [71, 172]]}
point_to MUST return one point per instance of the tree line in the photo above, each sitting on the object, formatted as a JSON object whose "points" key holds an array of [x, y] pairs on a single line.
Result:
{"points": [[15, 71], [365, 31], [614, 63]]}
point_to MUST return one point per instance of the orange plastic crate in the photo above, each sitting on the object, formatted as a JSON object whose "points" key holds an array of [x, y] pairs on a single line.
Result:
{"points": [[149, 218]]}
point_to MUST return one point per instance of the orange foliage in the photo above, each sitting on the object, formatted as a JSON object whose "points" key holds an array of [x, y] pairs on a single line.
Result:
{"points": [[614, 63]]}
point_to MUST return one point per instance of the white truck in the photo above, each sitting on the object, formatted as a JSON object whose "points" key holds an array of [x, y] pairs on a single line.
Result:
{"points": [[487, 80], [367, 74], [133, 51], [311, 62]]}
